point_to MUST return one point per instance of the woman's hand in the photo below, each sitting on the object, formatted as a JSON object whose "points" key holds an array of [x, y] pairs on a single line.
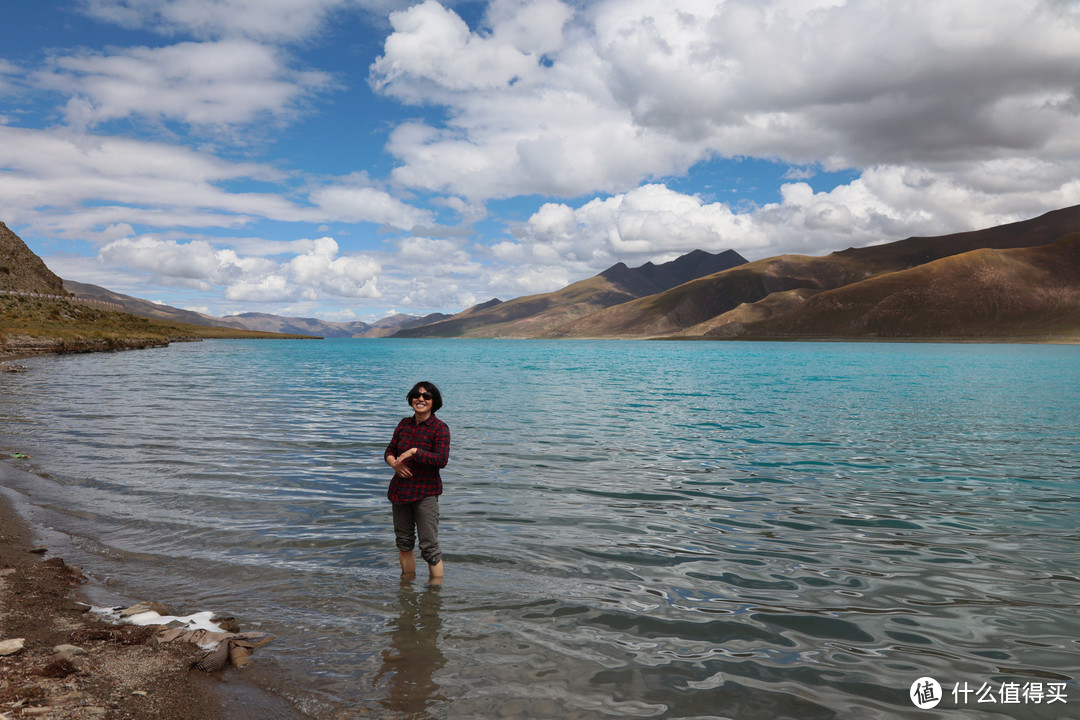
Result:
{"points": [[399, 465]]}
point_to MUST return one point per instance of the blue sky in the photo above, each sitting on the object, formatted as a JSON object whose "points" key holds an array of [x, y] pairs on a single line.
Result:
{"points": [[348, 159]]}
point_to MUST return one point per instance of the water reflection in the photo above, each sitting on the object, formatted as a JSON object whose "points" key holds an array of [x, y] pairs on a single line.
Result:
{"points": [[413, 658]]}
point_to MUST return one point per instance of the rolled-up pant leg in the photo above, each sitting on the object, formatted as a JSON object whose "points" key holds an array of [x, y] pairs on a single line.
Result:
{"points": [[419, 518], [404, 526], [427, 527]]}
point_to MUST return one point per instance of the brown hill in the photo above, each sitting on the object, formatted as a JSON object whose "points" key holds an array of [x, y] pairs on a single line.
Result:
{"points": [[537, 315], [1041, 230], [257, 322], [526, 316], [147, 309], [328, 329], [297, 325], [698, 300], [775, 304], [701, 301], [987, 293], [389, 325], [23, 271]]}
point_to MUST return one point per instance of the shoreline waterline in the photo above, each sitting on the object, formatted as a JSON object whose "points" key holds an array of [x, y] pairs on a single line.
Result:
{"points": [[57, 610]]}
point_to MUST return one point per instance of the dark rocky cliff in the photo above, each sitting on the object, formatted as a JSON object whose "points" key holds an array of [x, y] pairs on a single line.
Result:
{"points": [[22, 270]]}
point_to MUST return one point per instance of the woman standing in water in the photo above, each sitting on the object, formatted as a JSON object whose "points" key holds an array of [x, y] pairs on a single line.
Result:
{"points": [[419, 448]]}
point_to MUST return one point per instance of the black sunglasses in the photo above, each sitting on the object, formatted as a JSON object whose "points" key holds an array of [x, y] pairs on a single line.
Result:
{"points": [[425, 395]]}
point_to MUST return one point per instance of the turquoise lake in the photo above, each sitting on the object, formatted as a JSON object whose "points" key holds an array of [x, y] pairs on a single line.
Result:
{"points": [[630, 529]]}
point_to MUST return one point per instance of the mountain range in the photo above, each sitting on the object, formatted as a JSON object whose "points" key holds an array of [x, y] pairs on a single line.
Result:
{"points": [[260, 322], [1014, 281], [543, 315], [1019, 281]]}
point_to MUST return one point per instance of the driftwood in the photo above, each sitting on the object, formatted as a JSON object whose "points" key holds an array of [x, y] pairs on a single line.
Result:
{"points": [[220, 649]]}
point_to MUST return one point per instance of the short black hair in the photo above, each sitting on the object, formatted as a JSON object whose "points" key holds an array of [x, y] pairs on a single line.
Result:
{"points": [[436, 396]]}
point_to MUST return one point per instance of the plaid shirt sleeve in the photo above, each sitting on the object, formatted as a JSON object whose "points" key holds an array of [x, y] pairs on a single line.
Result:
{"points": [[437, 441], [395, 440]]}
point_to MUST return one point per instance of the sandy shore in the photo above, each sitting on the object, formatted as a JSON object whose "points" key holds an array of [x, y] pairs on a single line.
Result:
{"points": [[106, 670]]}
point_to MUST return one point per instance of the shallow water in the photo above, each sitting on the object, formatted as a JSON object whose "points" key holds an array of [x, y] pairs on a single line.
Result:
{"points": [[631, 529]]}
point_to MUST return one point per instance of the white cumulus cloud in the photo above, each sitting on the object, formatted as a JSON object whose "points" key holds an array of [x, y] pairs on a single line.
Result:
{"points": [[278, 20], [646, 223], [614, 92], [218, 83], [320, 271], [888, 202], [78, 184], [433, 51], [70, 184], [357, 203]]}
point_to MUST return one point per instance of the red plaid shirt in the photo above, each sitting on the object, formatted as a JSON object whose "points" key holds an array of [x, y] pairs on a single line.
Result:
{"points": [[431, 439]]}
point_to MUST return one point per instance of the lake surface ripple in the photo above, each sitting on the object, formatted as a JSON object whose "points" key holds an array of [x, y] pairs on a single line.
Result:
{"points": [[631, 529]]}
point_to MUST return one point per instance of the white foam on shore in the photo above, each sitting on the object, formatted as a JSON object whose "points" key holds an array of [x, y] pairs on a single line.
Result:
{"points": [[195, 621]]}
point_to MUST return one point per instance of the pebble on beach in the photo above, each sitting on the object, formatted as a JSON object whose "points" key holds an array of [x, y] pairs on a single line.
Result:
{"points": [[11, 647]]}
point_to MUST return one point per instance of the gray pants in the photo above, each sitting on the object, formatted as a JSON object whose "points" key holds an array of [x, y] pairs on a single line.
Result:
{"points": [[419, 518]]}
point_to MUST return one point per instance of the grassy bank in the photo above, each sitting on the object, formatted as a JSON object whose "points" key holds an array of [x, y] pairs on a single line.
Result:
{"points": [[35, 325]]}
